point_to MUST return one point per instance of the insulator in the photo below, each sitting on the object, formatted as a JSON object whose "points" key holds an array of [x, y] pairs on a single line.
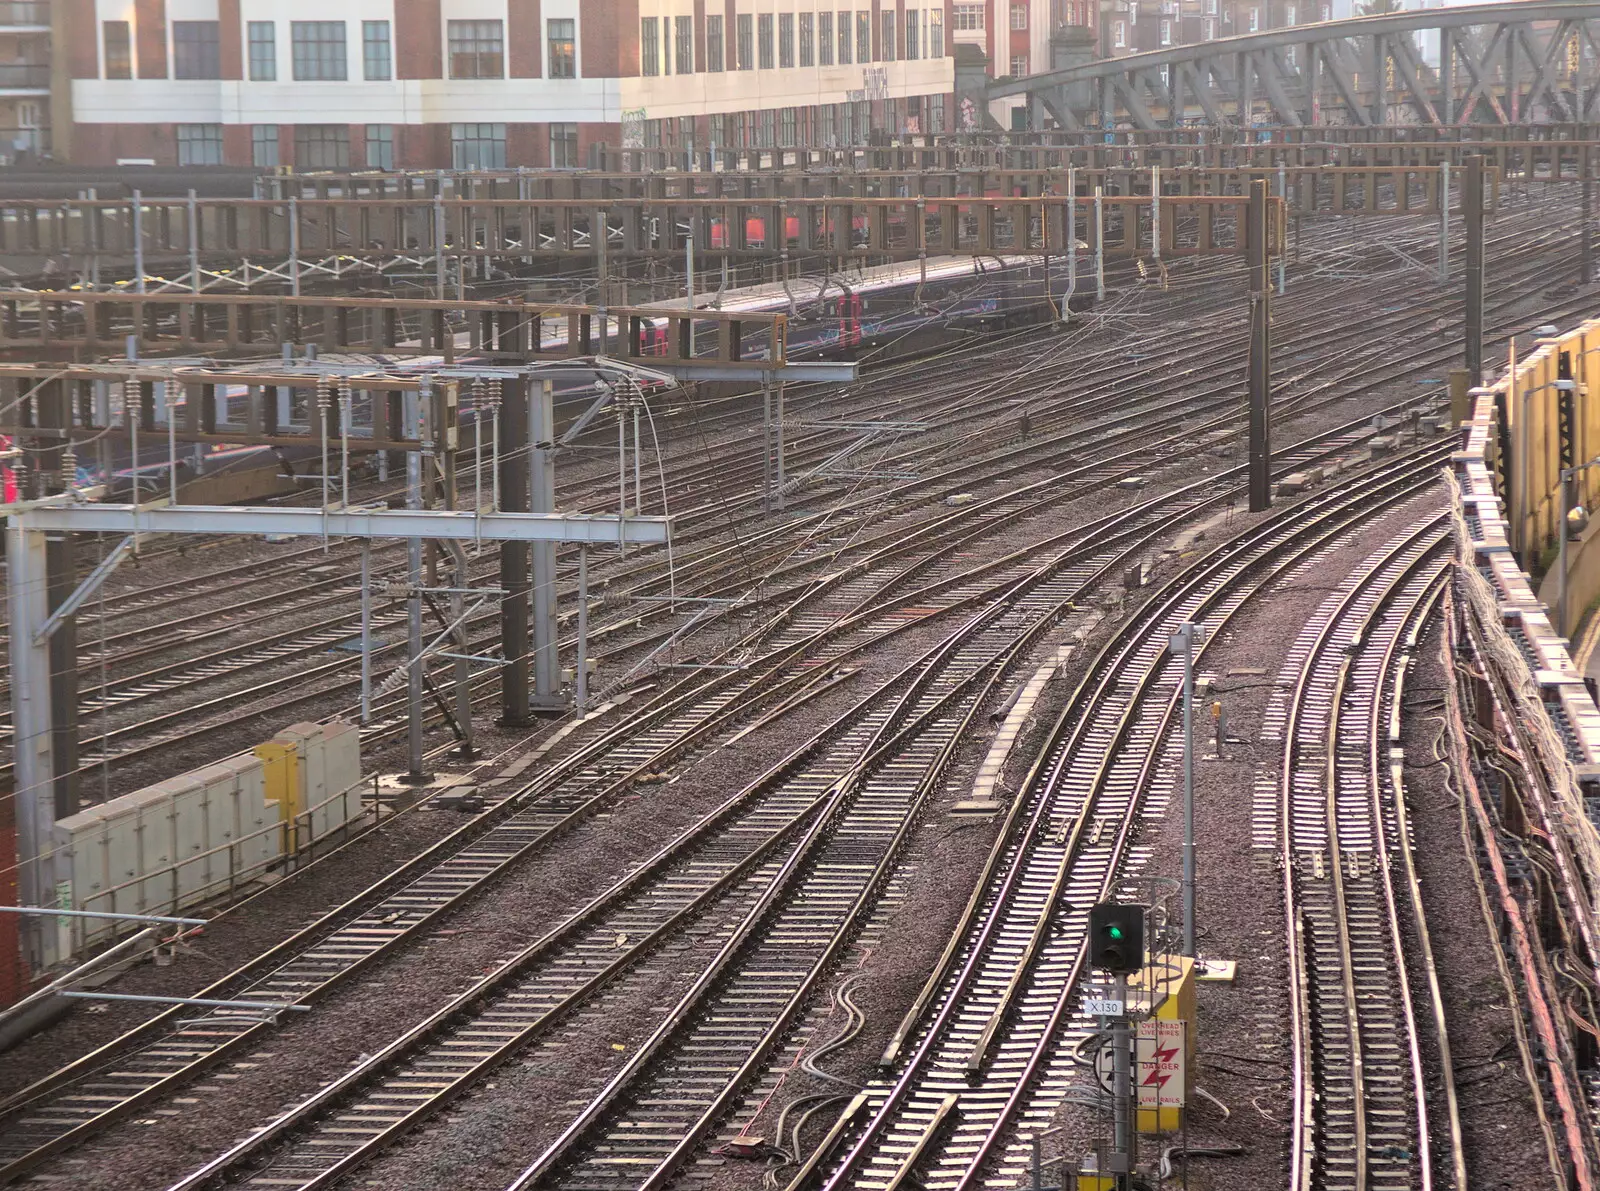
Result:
{"points": [[494, 392], [69, 467], [324, 392]]}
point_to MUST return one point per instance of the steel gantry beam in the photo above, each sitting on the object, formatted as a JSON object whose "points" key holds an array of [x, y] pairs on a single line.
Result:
{"points": [[30, 524], [1500, 63]]}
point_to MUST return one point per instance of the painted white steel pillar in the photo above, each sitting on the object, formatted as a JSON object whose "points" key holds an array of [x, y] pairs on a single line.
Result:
{"points": [[34, 760], [541, 426]]}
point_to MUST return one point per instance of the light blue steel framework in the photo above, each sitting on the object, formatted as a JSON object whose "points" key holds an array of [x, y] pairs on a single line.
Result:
{"points": [[1524, 62]]}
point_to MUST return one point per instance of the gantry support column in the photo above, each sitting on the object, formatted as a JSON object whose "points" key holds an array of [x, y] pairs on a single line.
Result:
{"points": [[1260, 454], [514, 559], [546, 664], [1472, 208], [33, 760]]}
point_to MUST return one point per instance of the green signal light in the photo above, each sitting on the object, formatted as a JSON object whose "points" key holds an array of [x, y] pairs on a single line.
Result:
{"points": [[1114, 931]]}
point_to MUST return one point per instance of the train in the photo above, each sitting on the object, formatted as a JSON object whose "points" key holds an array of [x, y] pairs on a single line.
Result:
{"points": [[840, 315]]}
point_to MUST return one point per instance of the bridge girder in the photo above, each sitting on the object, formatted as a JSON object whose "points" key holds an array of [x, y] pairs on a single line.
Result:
{"points": [[1498, 63]]}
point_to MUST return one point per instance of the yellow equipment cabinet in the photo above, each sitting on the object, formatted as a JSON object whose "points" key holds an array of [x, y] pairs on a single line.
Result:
{"points": [[280, 772], [1169, 981]]}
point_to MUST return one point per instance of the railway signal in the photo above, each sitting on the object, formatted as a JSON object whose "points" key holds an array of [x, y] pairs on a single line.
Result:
{"points": [[1116, 937]]}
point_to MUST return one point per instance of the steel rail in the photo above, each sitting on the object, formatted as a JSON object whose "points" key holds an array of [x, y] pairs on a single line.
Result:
{"points": [[28, 1097], [992, 1136], [1576, 1121], [1479, 828], [1401, 669], [186, 713], [1102, 671], [1324, 738], [920, 670]]}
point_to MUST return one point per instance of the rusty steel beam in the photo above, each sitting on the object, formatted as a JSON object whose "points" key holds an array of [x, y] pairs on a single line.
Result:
{"points": [[86, 325]]}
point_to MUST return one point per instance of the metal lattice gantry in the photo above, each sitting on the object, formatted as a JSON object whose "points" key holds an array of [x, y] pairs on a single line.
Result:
{"points": [[1495, 64]]}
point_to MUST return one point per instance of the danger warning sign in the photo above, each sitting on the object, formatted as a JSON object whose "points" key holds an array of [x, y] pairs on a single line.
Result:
{"points": [[1158, 1064]]}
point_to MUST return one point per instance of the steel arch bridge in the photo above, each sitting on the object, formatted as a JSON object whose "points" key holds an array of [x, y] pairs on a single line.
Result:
{"points": [[1505, 63]]}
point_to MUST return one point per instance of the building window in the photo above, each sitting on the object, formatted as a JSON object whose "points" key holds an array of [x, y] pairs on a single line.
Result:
{"points": [[863, 37], [376, 55], [1119, 35], [969, 17], [787, 136], [769, 125], [824, 38], [1289, 14], [478, 146], [564, 146], [1019, 65], [844, 39], [936, 111], [746, 57], [786, 40], [563, 38], [1327, 12], [808, 39], [715, 44], [913, 36], [1166, 32], [719, 130], [119, 49], [649, 47], [196, 50], [936, 34], [199, 144], [684, 28], [1211, 8], [1255, 20], [1208, 29], [380, 146], [477, 49], [322, 146], [764, 40], [264, 146], [887, 41], [1019, 16], [319, 55], [263, 53]]}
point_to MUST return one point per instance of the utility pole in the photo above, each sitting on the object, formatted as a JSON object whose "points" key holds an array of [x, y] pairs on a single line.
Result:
{"points": [[1472, 209], [1260, 454], [416, 412], [1183, 643], [1585, 245]]}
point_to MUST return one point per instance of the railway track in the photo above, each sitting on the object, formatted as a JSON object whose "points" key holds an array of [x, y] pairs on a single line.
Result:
{"points": [[1359, 1039], [997, 1011], [715, 705], [166, 1053], [128, 694]]}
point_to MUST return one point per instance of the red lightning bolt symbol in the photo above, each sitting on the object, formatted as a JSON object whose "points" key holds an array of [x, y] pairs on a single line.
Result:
{"points": [[1156, 1075]]}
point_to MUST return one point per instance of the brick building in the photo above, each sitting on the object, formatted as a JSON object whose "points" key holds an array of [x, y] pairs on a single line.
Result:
{"points": [[426, 84]]}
